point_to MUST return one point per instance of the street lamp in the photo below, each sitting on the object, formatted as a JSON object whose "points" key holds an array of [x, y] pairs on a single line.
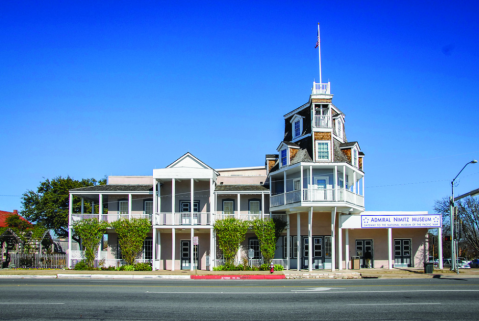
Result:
{"points": [[453, 256]]}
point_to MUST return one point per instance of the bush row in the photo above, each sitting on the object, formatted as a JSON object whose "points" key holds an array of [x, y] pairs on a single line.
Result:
{"points": [[136, 267], [241, 267]]}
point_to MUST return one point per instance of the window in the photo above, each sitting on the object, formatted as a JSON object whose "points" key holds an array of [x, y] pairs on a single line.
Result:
{"points": [[148, 207], [322, 150], [285, 247], [297, 184], [355, 157], [254, 244], [185, 206], [327, 246], [339, 128], [284, 158], [254, 207], [228, 207], [147, 249], [123, 207], [297, 129], [294, 246]]}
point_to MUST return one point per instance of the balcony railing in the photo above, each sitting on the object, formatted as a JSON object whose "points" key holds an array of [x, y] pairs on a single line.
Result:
{"points": [[318, 195], [108, 217], [321, 88], [186, 218], [322, 121]]}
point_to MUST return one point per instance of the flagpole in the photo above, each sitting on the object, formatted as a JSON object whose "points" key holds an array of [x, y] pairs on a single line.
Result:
{"points": [[319, 54]]}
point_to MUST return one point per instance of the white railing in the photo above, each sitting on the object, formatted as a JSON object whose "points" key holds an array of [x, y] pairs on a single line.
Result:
{"points": [[293, 197], [108, 217], [186, 218], [321, 88], [282, 262], [318, 194], [277, 200], [322, 121]]}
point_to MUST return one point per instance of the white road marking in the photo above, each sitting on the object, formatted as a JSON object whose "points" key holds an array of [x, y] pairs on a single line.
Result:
{"points": [[382, 304], [308, 292], [28, 303], [317, 289]]}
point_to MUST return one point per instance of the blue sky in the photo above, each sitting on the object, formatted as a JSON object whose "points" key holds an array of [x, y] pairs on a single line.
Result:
{"points": [[89, 89]]}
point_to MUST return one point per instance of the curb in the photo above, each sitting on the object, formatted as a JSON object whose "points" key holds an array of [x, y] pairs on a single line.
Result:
{"points": [[28, 276], [122, 276], [238, 277]]}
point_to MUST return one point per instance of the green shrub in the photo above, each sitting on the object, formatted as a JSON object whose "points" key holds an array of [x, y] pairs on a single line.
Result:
{"points": [[143, 267], [110, 268], [82, 265], [278, 267], [127, 268], [264, 267]]}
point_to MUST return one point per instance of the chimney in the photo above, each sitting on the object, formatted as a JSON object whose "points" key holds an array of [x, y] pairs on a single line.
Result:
{"points": [[15, 212]]}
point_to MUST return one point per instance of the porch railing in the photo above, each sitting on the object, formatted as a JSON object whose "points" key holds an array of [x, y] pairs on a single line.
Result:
{"points": [[293, 197], [277, 200], [108, 217], [322, 121], [47, 261], [321, 88], [183, 218], [317, 195]]}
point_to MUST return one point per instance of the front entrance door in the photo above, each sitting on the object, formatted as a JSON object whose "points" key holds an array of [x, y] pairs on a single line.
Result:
{"points": [[186, 213], [402, 253], [318, 253], [365, 250], [185, 255]]}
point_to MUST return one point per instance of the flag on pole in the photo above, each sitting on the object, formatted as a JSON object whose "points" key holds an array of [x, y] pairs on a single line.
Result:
{"points": [[317, 42]]}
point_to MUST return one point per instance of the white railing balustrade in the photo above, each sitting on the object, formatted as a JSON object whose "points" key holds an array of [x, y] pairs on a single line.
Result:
{"points": [[322, 121], [350, 197], [321, 88], [318, 194], [78, 217], [108, 217], [277, 200], [185, 218], [282, 262], [293, 197]]}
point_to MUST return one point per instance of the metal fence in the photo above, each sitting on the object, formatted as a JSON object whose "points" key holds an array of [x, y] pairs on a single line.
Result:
{"points": [[47, 261]]}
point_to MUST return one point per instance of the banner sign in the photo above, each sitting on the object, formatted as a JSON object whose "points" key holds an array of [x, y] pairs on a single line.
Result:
{"points": [[195, 240], [401, 221]]}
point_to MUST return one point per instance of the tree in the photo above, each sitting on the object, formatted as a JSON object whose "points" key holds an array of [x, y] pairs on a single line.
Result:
{"points": [[91, 232], [230, 233], [50, 203], [468, 213], [131, 236], [265, 231]]}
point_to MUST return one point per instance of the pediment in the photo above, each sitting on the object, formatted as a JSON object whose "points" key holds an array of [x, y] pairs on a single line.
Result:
{"points": [[188, 161]]}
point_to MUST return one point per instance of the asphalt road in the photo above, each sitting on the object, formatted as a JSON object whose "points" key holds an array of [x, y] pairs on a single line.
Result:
{"points": [[413, 299]]}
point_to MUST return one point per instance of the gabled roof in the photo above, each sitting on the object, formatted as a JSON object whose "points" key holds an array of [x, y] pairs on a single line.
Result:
{"points": [[348, 145], [4, 215], [272, 156], [301, 156], [192, 157], [289, 144], [297, 109]]}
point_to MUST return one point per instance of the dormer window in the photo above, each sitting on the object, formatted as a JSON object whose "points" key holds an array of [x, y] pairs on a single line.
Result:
{"points": [[354, 159], [322, 151], [284, 157], [297, 126], [339, 128]]}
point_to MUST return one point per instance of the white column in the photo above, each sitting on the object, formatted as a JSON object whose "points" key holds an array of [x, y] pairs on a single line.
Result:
{"points": [[211, 200], [192, 203], [311, 175], [192, 249], [212, 250], [288, 242], [354, 188], [82, 205], [335, 183], [340, 247], [173, 242], [262, 206], [154, 242], [130, 205], [310, 239], [158, 209], [347, 249], [284, 184], [362, 181], [70, 211], [298, 241], [100, 212], [239, 206], [333, 237], [390, 248], [301, 183], [344, 184], [173, 201], [439, 247], [158, 253]]}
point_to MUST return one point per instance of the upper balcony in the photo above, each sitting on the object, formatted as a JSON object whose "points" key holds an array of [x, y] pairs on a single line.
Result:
{"points": [[322, 121], [204, 219], [321, 88]]}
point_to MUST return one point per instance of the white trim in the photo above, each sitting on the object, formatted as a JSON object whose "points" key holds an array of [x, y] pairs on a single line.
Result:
{"points": [[298, 139], [188, 154], [239, 168], [281, 157], [294, 183], [316, 150]]}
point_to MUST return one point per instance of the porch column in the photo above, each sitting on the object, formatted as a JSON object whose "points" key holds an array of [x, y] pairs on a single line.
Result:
{"points": [[288, 242], [192, 205], [262, 206], [335, 183], [158, 254], [301, 182], [82, 205], [130, 205], [239, 206], [211, 202], [310, 175], [362, 181], [344, 184], [70, 210], [100, 212], [173, 241], [298, 241], [439, 246], [192, 249], [154, 244], [211, 250], [333, 237], [347, 250], [155, 202], [173, 201], [354, 188], [390, 246], [158, 193], [284, 183], [340, 247], [310, 239]]}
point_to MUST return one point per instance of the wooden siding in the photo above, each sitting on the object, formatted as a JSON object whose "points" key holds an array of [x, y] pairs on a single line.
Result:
{"points": [[327, 101], [292, 153], [322, 136], [360, 163], [271, 164], [347, 152]]}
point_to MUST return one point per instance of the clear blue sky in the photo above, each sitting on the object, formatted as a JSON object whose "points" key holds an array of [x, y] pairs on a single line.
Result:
{"points": [[89, 89]]}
